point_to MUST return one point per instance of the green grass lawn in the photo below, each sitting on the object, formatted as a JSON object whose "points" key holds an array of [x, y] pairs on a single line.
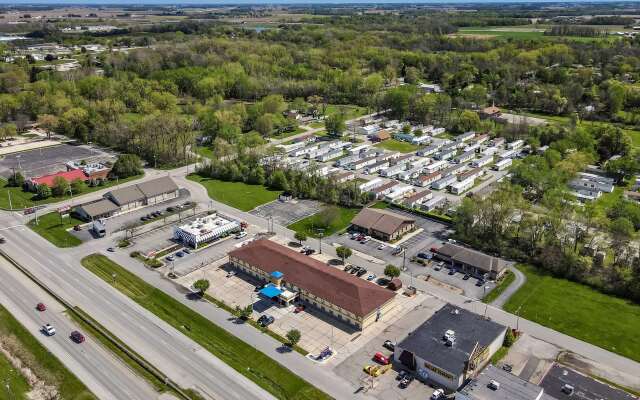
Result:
{"points": [[397, 145], [255, 365], [204, 151], [311, 224], [236, 194], [21, 199], [12, 380], [579, 311], [506, 281], [350, 111], [53, 228], [514, 34], [317, 124], [285, 135], [45, 365]]}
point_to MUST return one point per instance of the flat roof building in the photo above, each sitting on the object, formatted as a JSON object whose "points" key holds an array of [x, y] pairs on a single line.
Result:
{"points": [[204, 230], [346, 297], [495, 384], [140, 194], [382, 224], [471, 261], [450, 347]]}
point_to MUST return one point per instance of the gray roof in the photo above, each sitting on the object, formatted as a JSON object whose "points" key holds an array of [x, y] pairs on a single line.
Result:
{"points": [[471, 257], [100, 207], [156, 187], [511, 387], [470, 329], [126, 195]]}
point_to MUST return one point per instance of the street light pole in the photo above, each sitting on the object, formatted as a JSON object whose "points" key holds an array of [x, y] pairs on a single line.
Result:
{"points": [[320, 238]]}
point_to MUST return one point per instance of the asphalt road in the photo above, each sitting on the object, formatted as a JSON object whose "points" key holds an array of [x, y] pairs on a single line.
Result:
{"points": [[89, 361], [183, 360]]}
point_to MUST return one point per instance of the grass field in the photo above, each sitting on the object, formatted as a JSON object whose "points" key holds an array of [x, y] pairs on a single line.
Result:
{"points": [[507, 280], [310, 224], [396, 145], [285, 135], [267, 373], [204, 151], [349, 111], [236, 194], [21, 199], [53, 228], [579, 311], [46, 366], [495, 32], [12, 381]]}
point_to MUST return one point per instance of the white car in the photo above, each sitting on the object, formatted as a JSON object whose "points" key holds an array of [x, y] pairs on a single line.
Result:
{"points": [[49, 330], [241, 235], [382, 246], [438, 393]]}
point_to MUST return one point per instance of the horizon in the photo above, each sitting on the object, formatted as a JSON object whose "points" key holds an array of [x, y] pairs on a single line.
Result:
{"points": [[296, 2]]}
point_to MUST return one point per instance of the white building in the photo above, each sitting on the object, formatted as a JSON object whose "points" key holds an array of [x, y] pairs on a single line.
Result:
{"points": [[358, 149], [398, 192], [515, 144], [462, 186], [435, 166], [481, 162], [369, 185], [445, 154], [503, 164], [204, 230], [394, 170], [444, 182], [464, 157]]}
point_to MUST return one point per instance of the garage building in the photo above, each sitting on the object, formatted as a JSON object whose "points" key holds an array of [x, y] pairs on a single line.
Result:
{"points": [[450, 347]]}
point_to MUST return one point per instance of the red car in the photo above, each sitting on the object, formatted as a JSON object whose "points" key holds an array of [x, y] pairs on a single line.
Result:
{"points": [[41, 307], [379, 357], [299, 309], [77, 337]]}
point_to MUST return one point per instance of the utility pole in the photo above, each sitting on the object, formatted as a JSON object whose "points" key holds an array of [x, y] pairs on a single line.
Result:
{"points": [[10, 204], [404, 258]]}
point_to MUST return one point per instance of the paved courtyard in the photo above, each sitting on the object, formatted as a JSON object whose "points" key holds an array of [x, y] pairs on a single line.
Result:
{"points": [[49, 159], [286, 213], [318, 329]]}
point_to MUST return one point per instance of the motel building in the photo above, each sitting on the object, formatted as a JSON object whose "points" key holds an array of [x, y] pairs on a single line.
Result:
{"points": [[205, 230], [294, 277]]}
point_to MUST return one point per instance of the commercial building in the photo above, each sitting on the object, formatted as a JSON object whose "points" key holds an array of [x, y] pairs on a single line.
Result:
{"points": [[98, 209], [49, 180], [496, 384], [471, 261], [382, 224], [450, 347], [145, 193], [346, 297], [204, 230]]}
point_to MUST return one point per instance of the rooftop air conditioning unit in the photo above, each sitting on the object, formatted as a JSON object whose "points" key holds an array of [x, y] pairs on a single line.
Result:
{"points": [[449, 334]]}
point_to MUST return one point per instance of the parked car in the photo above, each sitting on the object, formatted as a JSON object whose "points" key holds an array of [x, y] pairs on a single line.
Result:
{"points": [[383, 281], [438, 266], [2, 239], [568, 389], [381, 358], [437, 394], [348, 268], [402, 374], [389, 345], [171, 209], [425, 256], [143, 218], [371, 277], [186, 250], [180, 254], [406, 381], [77, 337], [265, 320], [309, 252], [299, 309], [507, 367], [240, 235], [49, 330], [479, 283], [466, 277], [452, 271], [77, 228], [354, 270], [170, 258], [361, 272], [231, 273], [382, 246], [110, 249], [398, 251], [41, 307]]}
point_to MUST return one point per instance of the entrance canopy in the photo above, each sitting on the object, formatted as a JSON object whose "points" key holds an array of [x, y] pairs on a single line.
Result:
{"points": [[270, 291]]}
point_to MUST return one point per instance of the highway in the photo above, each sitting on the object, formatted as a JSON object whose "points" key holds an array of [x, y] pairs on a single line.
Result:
{"points": [[105, 375], [184, 361]]}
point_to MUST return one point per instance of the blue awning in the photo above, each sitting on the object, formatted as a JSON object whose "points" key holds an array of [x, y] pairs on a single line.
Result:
{"points": [[270, 291], [277, 274]]}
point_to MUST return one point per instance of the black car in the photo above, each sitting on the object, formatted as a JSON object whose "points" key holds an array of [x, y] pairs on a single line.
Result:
{"points": [[348, 268], [171, 209], [452, 271], [424, 256], [401, 375], [309, 252], [265, 320], [406, 381], [361, 272], [355, 270], [389, 345], [466, 277], [479, 283]]}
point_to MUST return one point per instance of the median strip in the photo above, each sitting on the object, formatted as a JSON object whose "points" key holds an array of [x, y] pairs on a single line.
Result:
{"points": [[247, 360]]}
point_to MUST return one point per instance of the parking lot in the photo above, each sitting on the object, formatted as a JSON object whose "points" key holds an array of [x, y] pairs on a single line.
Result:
{"points": [[319, 330], [584, 387], [49, 159], [387, 385], [286, 213]]}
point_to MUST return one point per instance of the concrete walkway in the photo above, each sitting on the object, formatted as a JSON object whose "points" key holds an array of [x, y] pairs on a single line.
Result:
{"points": [[520, 280]]}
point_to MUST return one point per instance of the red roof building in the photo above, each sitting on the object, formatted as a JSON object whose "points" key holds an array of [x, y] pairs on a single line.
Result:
{"points": [[69, 176]]}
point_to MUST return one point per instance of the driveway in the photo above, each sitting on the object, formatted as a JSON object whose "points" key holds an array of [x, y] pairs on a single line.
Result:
{"points": [[511, 289]]}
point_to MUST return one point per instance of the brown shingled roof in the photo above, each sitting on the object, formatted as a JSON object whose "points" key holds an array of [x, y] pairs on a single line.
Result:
{"points": [[335, 286], [380, 220]]}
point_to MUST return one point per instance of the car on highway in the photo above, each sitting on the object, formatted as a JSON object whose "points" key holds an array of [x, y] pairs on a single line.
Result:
{"points": [[381, 358], [265, 320], [49, 330], [389, 345], [41, 307], [77, 337]]}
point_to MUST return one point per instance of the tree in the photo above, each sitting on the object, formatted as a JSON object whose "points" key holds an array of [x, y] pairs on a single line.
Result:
{"points": [[335, 124], [127, 165], [279, 181], [60, 186], [16, 179], [244, 313], [264, 124], [343, 252], [201, 285], [392, 271], [328, 217], [43, 191], [509, 338], [48, 122], [300, 237], [77, 186], [293, 336]]}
